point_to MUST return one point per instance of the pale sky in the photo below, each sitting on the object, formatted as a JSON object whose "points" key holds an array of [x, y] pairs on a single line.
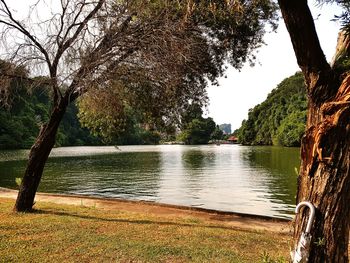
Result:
{"points": [[240, 91]]}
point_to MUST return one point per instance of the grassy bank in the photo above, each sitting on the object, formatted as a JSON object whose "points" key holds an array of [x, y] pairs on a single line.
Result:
{"points": [[79, 234]]}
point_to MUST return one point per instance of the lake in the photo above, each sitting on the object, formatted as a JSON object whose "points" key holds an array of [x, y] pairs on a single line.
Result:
{"points": [[244, 179]]}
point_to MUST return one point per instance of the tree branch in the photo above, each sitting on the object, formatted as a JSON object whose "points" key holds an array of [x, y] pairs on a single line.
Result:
{"points": [[64, 9], [18, 26], [301, 28], [320, 79], [343, 47], [65, 45]]}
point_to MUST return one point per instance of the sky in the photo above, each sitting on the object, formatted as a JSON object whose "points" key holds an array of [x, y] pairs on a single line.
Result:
{"points": [[240, 91]]}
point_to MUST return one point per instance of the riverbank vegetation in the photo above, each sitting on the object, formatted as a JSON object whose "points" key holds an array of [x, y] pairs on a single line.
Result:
{"points": [[280, 119], [82, 125], [195, 129], [29, 108], [56, 233]]}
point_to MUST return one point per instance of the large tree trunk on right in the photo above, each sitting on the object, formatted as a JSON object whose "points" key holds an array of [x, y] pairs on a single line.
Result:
{"points": [[324, 178], [38, 156]]}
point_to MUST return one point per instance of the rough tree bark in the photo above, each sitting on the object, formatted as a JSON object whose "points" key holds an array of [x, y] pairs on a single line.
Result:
{"points": [[324, 177], [38, 155]]}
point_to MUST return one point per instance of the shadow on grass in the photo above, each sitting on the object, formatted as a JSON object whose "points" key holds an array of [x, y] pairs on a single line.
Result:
{"points": [[140, 222]]}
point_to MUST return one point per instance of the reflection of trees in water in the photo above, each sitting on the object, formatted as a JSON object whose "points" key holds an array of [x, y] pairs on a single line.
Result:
{"points": [[279, 163], [197, 159], [132, 173], [194, 162], [193, 159], [187, 173], [12, 166], [9, 171]]}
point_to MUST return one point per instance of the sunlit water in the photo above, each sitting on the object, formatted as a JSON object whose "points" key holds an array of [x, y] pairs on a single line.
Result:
{"points": [[253, 180]]}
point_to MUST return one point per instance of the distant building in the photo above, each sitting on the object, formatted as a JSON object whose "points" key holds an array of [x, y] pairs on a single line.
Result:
{"points": [[232, 139], [226, 128]]}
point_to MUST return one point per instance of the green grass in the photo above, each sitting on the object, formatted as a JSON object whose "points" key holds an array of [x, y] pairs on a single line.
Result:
{"points": [[62, 233]]}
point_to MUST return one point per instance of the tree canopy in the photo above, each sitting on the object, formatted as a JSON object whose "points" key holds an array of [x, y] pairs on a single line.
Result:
{"points": [[172, 71], [195, 129]]}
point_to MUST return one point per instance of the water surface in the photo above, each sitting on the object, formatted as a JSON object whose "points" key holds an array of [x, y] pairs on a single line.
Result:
{"points": [[254, 180]]}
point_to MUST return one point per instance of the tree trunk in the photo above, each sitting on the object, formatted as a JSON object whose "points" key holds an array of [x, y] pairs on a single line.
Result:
{"points": [[37, 158], [324, 178]]}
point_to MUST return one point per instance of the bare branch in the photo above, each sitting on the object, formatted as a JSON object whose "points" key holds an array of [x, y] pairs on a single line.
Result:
{"points": [[64, 10], [17, 25], [65, 45]]}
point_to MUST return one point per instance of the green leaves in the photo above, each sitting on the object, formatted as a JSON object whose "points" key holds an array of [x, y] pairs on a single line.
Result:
{"points": [[29, 109], [155, 58], [292, 128], [195, 128], [280, 119]]}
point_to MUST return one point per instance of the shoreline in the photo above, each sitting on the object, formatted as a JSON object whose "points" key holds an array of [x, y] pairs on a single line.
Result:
{"points": [[233, 219]]}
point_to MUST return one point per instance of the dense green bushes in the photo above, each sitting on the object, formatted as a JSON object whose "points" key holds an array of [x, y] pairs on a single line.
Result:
{"points": [[198, 131], [280, 119], [20, 124], [26, 107], [195, 129]]}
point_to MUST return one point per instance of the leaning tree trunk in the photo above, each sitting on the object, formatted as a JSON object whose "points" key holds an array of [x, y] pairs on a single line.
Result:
{"points": [[324, 178], [37, 158]]}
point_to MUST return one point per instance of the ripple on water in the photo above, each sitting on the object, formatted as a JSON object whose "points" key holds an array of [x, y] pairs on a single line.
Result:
{"points": [[254, 180]]}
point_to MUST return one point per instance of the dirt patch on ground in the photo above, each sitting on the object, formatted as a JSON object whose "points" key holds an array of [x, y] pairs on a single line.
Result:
{"points": [[234, 220]]}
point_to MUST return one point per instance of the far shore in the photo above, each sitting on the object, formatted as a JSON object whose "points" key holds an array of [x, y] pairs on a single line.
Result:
{"points": [[231, 219]]}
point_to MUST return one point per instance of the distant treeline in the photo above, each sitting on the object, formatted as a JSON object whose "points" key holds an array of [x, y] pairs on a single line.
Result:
{"points": [[280, 119]]}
